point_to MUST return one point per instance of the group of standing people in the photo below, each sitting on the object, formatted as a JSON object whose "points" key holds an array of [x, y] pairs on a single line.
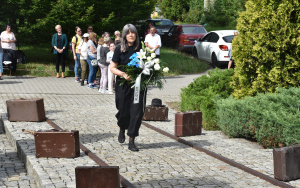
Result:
{"points": [[108, 55], [8, 48], [88, 54]]}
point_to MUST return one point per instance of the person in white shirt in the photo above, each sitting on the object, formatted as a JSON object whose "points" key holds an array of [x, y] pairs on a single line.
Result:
{"points": [[1, 60], [8, 43], [82, 49], [153, 41], [111, 76]]}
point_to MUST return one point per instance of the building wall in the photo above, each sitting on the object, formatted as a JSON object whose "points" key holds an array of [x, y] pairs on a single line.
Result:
{"points": [[207, 2]]}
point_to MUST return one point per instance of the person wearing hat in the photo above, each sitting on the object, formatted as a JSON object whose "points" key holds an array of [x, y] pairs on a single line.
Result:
{"points": [[104, 65], [83, 55]]}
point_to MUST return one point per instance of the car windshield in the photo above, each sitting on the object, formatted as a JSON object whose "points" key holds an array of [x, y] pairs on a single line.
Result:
{"points": [[228, 38], [163, 22], [193, 30]]}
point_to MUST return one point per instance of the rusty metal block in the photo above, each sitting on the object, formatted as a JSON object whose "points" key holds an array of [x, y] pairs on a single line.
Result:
{"points": [[54, 143], [287, 163], [26, 110], [156, 113], [100, 176], [188, 123]]}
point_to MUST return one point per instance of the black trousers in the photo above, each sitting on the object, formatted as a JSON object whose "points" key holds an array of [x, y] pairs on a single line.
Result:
{"points": [[129, 115], [10, 55], [60, 59]]}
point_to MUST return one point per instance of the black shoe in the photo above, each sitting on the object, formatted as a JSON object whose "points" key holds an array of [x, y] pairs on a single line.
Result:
{"points": [[82, 83], [121, 137], [132, 146]]}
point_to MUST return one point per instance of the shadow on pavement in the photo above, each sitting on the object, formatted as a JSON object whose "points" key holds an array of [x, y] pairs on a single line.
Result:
{"points": [[182, 182], [10, 82], [161, 145], [173, 77], [52, 112], [173, 144], [9, 162], [90, 138]]}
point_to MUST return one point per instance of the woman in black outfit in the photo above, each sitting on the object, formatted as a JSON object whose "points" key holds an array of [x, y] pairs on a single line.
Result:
{"points": [[129, 115], [59, 45]]}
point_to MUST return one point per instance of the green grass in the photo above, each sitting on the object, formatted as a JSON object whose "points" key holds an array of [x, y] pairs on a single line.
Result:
{"points": [[41, 62], [181, 63]]}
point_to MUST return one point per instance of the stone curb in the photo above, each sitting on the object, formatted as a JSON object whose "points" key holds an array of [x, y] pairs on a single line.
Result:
{"points": [[43, 170]]}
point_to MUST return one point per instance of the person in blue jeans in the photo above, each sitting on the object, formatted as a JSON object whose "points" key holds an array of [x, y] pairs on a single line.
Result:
{"points": [[92, 54], [76, 40]]}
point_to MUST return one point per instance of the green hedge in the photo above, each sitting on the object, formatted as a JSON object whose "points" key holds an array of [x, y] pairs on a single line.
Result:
{"points": [[272, 119], [200, 95]]}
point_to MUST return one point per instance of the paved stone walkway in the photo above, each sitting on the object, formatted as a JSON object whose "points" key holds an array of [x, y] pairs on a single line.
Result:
{"points": [[12, 169], [161, 162]]}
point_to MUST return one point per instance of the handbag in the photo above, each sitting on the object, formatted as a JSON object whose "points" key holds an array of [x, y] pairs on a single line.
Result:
{"points": [[94, 62]]}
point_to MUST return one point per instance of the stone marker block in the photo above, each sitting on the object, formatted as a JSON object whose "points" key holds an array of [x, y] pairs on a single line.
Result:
{"points": [[99, 176], [188, 123]]}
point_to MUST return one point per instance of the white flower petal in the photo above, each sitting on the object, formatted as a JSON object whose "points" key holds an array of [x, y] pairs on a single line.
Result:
{"points": [[156, 66]]}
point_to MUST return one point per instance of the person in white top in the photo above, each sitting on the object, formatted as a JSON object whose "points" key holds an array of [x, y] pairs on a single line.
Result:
{"points": [[111, 76], [153, 41], [8, 43], [82, 50], [1, 60], [100, 44]]}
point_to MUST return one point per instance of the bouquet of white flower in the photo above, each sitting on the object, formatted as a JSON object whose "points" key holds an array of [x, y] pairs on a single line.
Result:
{"points": [[145, 69]]}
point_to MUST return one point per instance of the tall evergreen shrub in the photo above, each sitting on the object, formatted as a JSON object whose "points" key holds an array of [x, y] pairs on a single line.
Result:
{"points": [[200, 95], [267, 49]]}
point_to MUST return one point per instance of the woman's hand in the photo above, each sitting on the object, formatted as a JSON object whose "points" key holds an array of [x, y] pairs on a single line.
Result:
{"points": [[126, 76], [75, 57]]}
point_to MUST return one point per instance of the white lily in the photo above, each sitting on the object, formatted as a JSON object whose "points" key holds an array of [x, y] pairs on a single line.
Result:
{"points": [[153, 55], [166, 69], [141, 54]]}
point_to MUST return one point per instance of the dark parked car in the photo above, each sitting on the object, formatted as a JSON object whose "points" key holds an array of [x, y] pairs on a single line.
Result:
{"points": [[162, 26], [182, 37]]}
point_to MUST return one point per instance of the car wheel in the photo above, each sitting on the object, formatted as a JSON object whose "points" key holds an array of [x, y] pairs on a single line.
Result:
{"points": [[214, 60], [194, 53]]}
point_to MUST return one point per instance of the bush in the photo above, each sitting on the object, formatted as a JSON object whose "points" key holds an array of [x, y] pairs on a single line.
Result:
{"points": [[195, 13], [223, 13], [200, 95], [272, 119], [267, 49]]}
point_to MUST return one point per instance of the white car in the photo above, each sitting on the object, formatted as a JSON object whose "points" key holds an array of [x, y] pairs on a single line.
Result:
{"points": [[214, 46]]}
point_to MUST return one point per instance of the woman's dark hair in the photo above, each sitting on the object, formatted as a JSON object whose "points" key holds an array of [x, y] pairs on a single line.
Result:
{"points": [[76, 28], [124, 44], [7, 25]]}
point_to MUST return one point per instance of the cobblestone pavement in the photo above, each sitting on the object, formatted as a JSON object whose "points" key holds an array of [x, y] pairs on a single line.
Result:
{"points": [[12, 169], [161, 162]]}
